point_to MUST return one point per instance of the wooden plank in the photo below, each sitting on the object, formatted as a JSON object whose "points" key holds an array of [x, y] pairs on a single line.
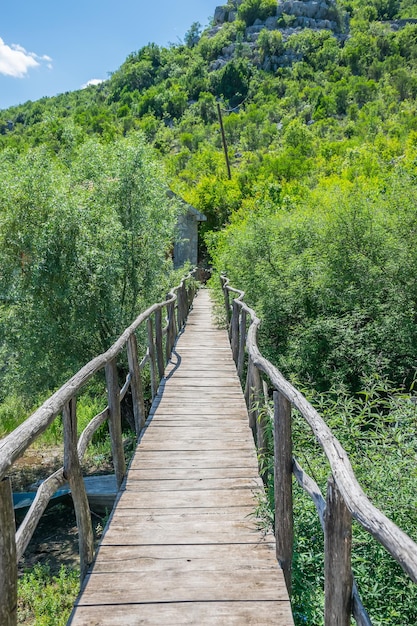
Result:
{"points": [[209, 423], [184, 472], [184, 384], [192, 484], [182, 586], [167, 515], [192, 558], [202, 404], [273, 613], [192, 444], [201, 530], [191, 369], [195, 435], [182, 499], [194, 458]]}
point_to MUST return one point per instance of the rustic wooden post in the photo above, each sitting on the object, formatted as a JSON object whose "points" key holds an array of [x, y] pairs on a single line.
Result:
{"points": [[168, 334], [158, 343], [170, 330], [259, 415], [184, 306], [152, 359], [235, 331], [174, 323], [191, 291], [136, 384], [179, 308], [115, 421], [242, 343], [284, 523], [248, 397], [72, 472], [226, 299], [8, 560], [337, 559]]}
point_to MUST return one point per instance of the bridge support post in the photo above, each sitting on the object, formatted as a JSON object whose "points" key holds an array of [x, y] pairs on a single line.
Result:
{"points": [[234, 339], [171, 330], [152, 359], [226, 298], [136, 384], [242, 343], [159, 344], [72, 472], [338, 579], [115, 421], [8, 561], [284, 524]]}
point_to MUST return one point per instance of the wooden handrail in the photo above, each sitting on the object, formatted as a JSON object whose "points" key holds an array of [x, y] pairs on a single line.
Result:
{"points": [[13, 446], [63, 401], [401, 547]]}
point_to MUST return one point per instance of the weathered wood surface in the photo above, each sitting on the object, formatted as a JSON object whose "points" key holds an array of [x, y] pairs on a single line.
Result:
{"points": [[8, 561], [73, 473], [182, 546], [284, 524], [338, 580]]}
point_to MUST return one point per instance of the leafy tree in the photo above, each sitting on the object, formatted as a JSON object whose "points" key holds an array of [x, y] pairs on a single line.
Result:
{"points": [[192, 36], [233, 80], [81, 251], [270, 43]]}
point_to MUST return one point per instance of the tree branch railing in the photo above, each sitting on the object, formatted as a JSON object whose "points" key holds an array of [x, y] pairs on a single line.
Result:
{"points": [[345, 497], [160, 342]]}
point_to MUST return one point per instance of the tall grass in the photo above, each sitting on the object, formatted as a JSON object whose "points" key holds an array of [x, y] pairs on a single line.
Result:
{"points": [[378, 429]]}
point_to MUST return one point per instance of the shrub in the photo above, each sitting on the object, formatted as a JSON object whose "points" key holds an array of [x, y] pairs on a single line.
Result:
{"points": [[250, 10], [44, 599]]}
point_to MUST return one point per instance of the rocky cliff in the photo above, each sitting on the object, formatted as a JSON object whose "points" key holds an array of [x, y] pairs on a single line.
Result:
{"points": [[291, 17], [295, 14]]}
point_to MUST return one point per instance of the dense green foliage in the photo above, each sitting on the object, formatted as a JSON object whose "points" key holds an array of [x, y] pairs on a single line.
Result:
{"points": [[83, 245], [338, 302], [317, 224]]}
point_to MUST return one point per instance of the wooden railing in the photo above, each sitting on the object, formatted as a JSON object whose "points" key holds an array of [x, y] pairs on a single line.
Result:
{"points": [[345, 498], [161, 339]]}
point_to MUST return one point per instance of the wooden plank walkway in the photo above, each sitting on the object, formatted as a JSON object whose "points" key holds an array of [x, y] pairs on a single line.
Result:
{"points": [[182, 546]]}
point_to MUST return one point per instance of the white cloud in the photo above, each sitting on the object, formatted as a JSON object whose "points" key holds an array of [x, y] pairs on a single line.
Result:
{"points": [[16, 61], [93, 81]]}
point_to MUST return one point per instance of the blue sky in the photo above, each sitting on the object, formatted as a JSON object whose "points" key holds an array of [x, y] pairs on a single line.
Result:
{"points": [[49, 47]]}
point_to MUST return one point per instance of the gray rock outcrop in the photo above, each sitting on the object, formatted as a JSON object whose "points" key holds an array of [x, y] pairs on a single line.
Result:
{"points": [[317, 14]]}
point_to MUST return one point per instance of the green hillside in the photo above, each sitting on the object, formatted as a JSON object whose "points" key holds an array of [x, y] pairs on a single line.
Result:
{"points": [[317, 222], [321, 131]]}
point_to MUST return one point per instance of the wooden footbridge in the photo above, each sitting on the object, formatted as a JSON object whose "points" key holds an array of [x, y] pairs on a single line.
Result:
{"points": [[183, 544]]}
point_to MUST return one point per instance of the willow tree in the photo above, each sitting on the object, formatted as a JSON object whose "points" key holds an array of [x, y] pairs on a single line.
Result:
{"points": [[83, 246]]}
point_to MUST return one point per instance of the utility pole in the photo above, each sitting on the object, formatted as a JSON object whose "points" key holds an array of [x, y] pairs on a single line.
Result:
{"points": [[224, 141]]}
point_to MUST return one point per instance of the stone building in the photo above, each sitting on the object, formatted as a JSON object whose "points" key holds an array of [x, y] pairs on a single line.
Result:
{"points": [[186, 243]]}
